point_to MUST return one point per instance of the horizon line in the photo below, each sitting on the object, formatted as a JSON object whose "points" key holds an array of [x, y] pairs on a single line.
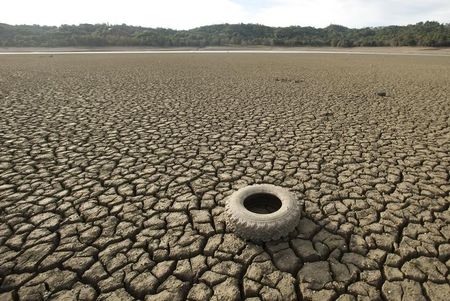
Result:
{"points": [[217, 24]]}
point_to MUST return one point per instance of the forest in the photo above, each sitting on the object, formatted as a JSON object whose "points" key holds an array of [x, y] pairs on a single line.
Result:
{"points": [[428, 33]]}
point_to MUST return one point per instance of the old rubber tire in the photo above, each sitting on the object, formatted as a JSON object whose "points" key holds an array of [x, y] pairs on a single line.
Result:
{"points": [[262, 227]]}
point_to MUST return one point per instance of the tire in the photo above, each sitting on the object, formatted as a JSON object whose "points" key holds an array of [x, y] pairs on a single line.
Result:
{"points": [[262, 227]]}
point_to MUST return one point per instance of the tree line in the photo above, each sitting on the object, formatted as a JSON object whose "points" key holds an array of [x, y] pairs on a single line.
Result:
{"points": [[427, 33]]}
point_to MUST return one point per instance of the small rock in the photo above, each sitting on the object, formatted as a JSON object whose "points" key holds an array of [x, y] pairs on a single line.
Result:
{"points": [[326, 114]]}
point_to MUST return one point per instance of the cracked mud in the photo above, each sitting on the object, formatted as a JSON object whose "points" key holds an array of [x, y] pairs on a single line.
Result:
{"points": [[114, 170]]}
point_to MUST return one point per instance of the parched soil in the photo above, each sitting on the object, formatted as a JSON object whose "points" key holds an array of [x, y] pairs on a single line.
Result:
{"points": [[114, 171]]}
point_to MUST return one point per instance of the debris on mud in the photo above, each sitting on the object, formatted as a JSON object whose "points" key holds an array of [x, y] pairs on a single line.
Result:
{"points": [[262, 212], [285, 80]]}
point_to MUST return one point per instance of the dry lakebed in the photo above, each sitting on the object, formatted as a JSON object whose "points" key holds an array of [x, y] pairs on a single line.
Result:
{"points": [[115, 169]]}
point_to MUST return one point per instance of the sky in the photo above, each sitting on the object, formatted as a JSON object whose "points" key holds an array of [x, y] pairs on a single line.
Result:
{"points": [[186, 14]]}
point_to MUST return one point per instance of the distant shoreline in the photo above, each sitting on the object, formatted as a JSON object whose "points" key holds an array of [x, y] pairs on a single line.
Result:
{"points": [[427, 51], [422, 34]]}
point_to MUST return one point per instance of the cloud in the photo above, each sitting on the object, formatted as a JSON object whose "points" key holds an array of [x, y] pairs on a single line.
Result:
{"points": [[185, 14], [177, 14], [352, 13]]}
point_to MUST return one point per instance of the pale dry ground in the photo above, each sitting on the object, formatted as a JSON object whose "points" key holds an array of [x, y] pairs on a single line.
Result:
{"points": [[114, 170], [425, 51]]}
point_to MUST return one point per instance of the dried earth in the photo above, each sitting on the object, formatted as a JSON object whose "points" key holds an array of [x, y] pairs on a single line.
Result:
{"points": [[114, 170]]}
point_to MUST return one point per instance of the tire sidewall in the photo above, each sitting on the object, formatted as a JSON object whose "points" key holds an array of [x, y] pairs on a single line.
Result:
{"points": [[262, 227]]}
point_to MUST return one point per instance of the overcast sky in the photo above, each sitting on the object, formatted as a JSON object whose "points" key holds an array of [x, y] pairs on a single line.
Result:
{"points": [[185, 14]]}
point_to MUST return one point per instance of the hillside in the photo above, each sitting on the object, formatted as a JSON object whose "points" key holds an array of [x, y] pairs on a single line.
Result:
{"points": [[420, 34]]}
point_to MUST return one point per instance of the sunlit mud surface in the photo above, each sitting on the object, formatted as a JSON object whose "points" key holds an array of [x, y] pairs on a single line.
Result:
{"points": [[114, 171]]}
